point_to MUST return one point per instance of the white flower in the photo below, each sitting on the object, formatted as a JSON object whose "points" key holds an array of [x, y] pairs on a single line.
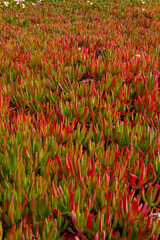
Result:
{"points": [[79, 49], [91, 3], [18, 1], [155, 215], [143, 9], [143, 2], [23, 6], [138, 55], [33, 4], [6, 4]]}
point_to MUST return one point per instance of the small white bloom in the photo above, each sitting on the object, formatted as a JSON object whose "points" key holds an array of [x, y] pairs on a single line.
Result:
{"points": [[33, 4], [143, 2], [18, 1], [143, 9], [138, 55], [79, 49], [23, 6], [91, 3], [155, 215], [6, 4]]}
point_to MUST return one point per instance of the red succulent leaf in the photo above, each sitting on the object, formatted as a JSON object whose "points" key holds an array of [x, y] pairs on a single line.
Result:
{"points": [[125, 204], [54, 190], [135, 207], [152, 229], [55, 211], [100, 225], [79, 175], [91, 172], [89, 221], [115, 220], [129, 235], [11, 217], [76, 238], [70, 187], [95, 237], [71, 200], [59, 160], [62, 136], [71, 167], [74, 219], [90, 75], [53, 170], [66, 165], [139, 234], [109, 197], [158, 200], [149, 222], [144, 210], [121, 206], [143, 171], [89, 204], [140, 207], [26, 152], [78, 116], [133, 179], [103, 235], [80, 234], [85, 111], [108, 219], [157, 209], [129, 212]]}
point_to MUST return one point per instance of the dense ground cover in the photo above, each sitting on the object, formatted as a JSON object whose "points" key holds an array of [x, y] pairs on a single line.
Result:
{"points": [[80, 120]]}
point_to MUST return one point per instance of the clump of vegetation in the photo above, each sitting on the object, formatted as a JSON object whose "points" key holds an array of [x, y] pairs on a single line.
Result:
{"points": [[79, 120]]}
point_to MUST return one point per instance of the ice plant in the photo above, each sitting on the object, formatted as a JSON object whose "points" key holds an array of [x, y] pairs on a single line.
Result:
{"points": [[79, 120]]}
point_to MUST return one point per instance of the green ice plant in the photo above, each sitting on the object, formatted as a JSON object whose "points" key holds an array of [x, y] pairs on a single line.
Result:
{"points": [[79, 144]]}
